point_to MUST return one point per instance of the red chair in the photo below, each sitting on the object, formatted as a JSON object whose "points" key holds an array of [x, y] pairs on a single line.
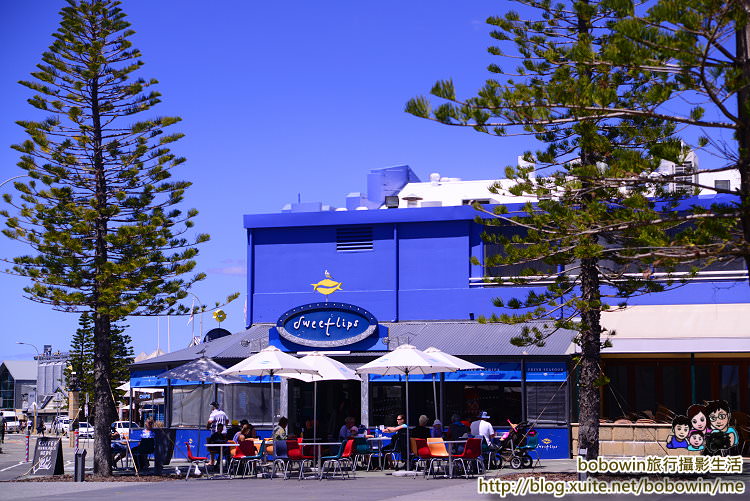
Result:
{"points": [[194, 460], [424, 453], [245, 450], [472, 452], [295, 454]]}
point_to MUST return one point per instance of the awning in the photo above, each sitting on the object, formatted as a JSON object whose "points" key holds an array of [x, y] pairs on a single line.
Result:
{"points": [[685, 328]]}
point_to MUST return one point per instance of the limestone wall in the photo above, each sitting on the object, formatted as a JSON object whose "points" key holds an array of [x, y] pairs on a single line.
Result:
{"points": [[635, 439]]}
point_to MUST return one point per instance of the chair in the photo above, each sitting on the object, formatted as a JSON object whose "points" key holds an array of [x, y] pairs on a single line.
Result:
{"points": [[295, 455], [363, 452], [437, 447], [344, 455], [141, 452], [472, 452], [194, 460], [253, 461], [244, 450], [424, 454], [280, 457], [532, 442], [397, 446]]}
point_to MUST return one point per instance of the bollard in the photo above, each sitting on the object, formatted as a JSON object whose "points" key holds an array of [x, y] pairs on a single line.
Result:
{"points": [[75, 449], [28, 439], [79, 467]]}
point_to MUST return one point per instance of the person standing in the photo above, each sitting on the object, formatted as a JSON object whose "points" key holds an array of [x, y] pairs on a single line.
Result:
{"points": [[216, 418]]}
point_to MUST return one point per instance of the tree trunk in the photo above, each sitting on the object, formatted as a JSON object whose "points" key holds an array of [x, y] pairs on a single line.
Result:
{"points": [[743, 132], [588, 391], [103, 400]]}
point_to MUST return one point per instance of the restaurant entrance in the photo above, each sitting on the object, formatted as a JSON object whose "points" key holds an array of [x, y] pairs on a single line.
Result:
{"points": [[336, 401]]}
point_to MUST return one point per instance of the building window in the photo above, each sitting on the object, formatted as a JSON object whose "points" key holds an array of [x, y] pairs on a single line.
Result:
{"points": [[491, 248], [545, 402], [730, 385], [354, 239], [470, 201], [722, 184]]}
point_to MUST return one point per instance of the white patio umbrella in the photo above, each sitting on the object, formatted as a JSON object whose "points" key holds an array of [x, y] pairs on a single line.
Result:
{"points": [[269, 362], [462, 365], [328, 370], [405, 360]]}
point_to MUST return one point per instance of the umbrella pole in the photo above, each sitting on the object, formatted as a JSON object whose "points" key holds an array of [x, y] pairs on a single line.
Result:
{"points": [[315, 411], [408, 442], [434, 395], [270, 373]]}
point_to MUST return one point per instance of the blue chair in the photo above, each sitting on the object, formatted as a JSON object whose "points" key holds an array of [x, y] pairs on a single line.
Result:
{"points": [[280, 457], [532, 442]]}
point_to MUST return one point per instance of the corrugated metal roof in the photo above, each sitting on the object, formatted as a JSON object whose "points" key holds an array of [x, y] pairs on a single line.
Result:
{"points": [[458, 338], [472, 338], [22, 370], [255, 339]]}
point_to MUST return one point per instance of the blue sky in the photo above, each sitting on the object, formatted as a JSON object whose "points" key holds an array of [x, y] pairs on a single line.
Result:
{"points": [[277, 98]]}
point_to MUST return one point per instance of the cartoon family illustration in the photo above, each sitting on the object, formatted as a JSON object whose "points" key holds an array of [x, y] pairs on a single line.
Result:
{"points": [[706, 428]]}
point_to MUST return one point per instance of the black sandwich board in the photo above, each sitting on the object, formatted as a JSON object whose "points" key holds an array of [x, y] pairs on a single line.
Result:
{"points": [[48, 457]]}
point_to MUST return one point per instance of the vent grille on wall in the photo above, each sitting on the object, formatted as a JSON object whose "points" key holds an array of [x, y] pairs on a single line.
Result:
{"points": [[354, 238]]}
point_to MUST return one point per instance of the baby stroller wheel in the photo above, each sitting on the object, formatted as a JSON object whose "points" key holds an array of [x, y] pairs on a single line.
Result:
{"points": [[526, 461], [516, 462]]}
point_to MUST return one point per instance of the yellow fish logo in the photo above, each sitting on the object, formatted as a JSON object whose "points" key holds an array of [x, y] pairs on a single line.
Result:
{"points": [[327, 285], [546, 441]]}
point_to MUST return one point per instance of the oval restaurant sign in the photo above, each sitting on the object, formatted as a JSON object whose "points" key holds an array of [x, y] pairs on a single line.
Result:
{"points": [[324, 325]]}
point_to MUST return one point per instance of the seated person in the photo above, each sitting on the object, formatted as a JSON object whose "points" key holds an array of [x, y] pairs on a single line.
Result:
{"points": [[348, 430], [145, 446], [398, 441], [279, 431], [216, 437], [233, 428], [119, 450], [421, 431], [457, 429]]}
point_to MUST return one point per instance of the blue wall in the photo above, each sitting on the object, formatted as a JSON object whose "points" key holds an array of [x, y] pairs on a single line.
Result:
{"points": [[419, 268]]}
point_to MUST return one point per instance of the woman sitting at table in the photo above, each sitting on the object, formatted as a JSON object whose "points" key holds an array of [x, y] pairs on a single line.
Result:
{"points": [[398, 442], [146, 445], [119, 450]]}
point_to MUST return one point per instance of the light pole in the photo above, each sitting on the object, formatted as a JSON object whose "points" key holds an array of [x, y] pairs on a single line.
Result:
{"points": [[200, 304], [36, 390]]}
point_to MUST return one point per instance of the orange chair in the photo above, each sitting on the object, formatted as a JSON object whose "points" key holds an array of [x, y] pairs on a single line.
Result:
{"points": [[437, 447], [424, 454], [194, 460]]}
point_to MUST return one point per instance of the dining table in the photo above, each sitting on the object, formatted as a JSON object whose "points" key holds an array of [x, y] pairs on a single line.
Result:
{"points": [[129, 444], [379, 441], [450, 447], [221, 447]]}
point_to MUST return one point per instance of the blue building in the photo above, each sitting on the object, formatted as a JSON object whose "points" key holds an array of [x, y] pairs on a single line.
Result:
{"points": [[399, 259]]}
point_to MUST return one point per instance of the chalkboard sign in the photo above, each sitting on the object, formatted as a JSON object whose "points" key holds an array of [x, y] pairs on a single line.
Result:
{"points": [[48, 457]]}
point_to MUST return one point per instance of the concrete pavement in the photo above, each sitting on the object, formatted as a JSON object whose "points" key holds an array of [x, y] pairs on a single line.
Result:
{"points": [[368, 486]]}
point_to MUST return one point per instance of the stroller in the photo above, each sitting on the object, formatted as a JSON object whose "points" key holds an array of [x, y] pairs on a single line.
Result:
{"points": [[514, 447]]}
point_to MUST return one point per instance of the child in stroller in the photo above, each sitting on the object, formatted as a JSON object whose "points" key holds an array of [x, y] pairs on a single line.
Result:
{"points": [[514, 445]]}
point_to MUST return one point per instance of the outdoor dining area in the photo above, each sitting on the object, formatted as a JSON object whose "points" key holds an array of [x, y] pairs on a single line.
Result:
{"points": [[408, 450]]}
